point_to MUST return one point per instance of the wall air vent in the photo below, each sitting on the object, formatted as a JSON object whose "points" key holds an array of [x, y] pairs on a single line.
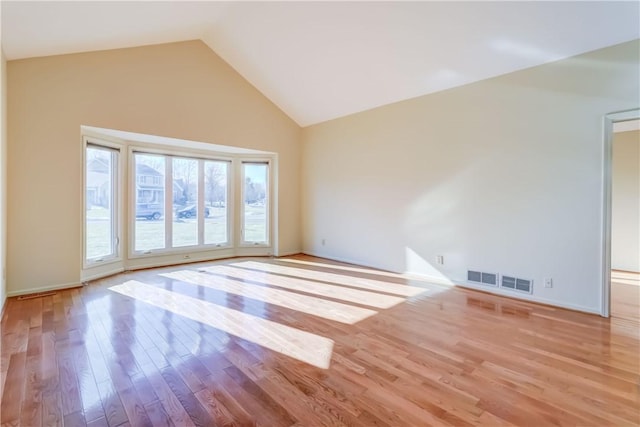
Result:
{"points": [[516, 284], [490, 279]]}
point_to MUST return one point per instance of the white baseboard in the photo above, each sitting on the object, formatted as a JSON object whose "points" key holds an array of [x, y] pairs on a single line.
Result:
{"points": [[140, 263], [44, 289], [288, 253], [102, 273], [463, 284], [527, 297]]}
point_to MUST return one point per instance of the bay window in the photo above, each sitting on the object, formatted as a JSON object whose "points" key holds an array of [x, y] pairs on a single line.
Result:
{"points": [[187, 202]]}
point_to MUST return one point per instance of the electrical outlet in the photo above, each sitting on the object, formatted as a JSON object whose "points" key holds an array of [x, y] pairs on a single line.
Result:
{"points": [[440, 259], [323, 242], [548, 282]]}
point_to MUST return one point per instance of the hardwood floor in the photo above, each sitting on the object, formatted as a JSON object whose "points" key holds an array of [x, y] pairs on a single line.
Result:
{"points": [[625, 295], [302, 341]]}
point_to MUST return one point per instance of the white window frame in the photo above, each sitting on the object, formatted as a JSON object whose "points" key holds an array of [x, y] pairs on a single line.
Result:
{"points": [[169, 156], [131, 207], [229, 204], [269, 190], [199, 204], [127, 143], [94, 266]]}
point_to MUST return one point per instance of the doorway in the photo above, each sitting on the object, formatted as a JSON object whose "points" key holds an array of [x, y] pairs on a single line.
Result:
{"points": [[621, 214], [625, 220]]}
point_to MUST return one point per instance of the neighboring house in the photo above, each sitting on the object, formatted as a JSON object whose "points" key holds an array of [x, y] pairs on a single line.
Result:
{"points": [[149, 185], [149, 189], [149, 192], [97, 183]]}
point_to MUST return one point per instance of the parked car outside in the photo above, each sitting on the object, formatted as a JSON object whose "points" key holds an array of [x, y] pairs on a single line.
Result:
{"points": [[190, 212], [150, 211]]}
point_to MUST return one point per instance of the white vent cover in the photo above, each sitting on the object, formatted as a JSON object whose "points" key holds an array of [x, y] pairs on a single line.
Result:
{"points": [[517, 284], [483, 278]]}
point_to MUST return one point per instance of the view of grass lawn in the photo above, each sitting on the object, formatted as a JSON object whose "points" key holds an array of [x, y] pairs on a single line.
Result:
{"points": [[151, 234], [98, 238]]}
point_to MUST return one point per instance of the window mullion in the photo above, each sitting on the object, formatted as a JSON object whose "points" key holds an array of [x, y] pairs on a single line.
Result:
{"points": [[201, 202], [115, 207], [168, 202]]}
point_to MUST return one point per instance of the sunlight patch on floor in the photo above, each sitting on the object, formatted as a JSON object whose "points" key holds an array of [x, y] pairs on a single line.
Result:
{"points": [[304, 346], [410, 278], [342, 267], [357, 282], [331, 310], [372, 299]]}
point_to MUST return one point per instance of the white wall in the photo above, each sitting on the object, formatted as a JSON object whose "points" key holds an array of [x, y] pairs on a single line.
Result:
{"points": [[625, 202], [502, 175], [179, 90]]}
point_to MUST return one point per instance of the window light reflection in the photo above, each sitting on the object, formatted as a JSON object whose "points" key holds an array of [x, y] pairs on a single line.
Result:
{"points": [[358, 296], [301, 345], [357, 282], [342, 267], [409, 278], [339, 312]]}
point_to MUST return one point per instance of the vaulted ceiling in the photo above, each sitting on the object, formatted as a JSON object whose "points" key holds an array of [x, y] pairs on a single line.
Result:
{"points": [[322, 60]]}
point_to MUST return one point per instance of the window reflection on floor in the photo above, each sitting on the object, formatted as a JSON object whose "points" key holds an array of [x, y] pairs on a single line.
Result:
{"points": [[327, 295], [301, 345]]}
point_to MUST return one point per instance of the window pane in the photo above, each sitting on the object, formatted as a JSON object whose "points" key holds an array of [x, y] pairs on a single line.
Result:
{"points": [[100, 225], [185, 202], [149, 229], [215, 194], [255, 202]]}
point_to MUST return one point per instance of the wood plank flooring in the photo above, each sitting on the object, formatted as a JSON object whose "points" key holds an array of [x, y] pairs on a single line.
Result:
{"points": [[302, 341], [625, 295]]}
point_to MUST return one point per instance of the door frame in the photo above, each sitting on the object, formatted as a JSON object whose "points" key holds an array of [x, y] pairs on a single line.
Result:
{"points": [[607, 170]]}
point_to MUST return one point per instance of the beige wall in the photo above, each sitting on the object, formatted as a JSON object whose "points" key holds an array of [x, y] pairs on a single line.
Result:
{"points": [[503, 175], [625, 201], [180, 90], [3, 181]]}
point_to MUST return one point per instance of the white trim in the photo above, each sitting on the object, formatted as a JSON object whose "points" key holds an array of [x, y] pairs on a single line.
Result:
{"points": [[253, 251], [268, 208], [117, 188], [274, 195], [626, 126], [168, 203], [605, 253], [58, 287], [526, 297], [200, 206], [168, 260], [179, 251], [154, 140], [234, 167], [287, 253], [104, 273]]}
